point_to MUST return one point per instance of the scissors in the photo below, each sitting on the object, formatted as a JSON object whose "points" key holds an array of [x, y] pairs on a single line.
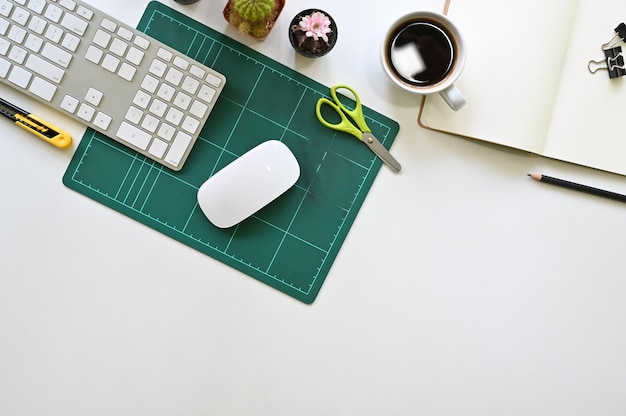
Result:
{"points": [[359, 128]]}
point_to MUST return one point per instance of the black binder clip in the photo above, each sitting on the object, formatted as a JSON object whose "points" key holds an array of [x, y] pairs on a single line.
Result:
{"points": [[614, 63], [620, 36], [613, 56]]}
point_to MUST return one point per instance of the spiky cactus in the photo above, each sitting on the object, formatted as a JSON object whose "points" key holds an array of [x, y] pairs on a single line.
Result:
{"points": [[254, 17], [254, 10]]}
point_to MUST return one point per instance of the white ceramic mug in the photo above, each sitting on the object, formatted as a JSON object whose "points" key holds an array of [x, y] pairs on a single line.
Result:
{"points": [[424, 53]]}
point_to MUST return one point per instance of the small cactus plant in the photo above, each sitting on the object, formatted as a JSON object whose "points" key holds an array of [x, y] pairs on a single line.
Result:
{"points": [[254, 10], [254, 17]]}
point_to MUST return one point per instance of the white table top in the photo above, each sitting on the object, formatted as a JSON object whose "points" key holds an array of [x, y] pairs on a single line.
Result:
{"points": [[483, 293]]}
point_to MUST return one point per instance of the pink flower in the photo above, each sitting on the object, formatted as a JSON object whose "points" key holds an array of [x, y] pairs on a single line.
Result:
{"points": [[316, 26]]}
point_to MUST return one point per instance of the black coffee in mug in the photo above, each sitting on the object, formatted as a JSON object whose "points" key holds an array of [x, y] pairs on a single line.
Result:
{"points": [[421, 52], [424, 53]]}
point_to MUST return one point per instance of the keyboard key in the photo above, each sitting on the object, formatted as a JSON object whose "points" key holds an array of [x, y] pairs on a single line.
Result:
{"points": [[150, 123], [44, 68], [68, 4], [142, 99], [75, 24], [174, 76], [181, 63], [127, 71], [37, 25], [165, 54], [84, 12], [166, 92], [56, 55], [199, 109], [94, 96], [158, 148], [108, 25], [191, 125], [54, 33], [70, 42], [70, 104], [118, 47], [150, 83], [37, 5], [213, 80], [174, 116], [178, 148], [110, 63], [191, 85], [42, 88], [125, 33], [33, 43], [133, 135], [206, 93], [102, 38], [53, 13], [17, 55], [142, 42], [158, 108], [134, 115], [94, 54], [135, 56], [4, 26], [197, 71], [4, 46], [4, 67], [166, 131], [86, 112], [102, 120], [158, 68], [20, 77], [17, 34], [5, 8], [20, 16], [182, 101]]}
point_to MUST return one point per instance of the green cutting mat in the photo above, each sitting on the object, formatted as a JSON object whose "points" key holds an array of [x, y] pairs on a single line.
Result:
{"points": [[290, 244]]}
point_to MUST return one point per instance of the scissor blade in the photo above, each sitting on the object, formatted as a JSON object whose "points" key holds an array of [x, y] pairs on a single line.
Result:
{"points": [[372, 142]]}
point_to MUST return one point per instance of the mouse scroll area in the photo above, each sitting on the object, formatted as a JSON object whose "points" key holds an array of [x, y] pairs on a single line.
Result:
{"points": [[248, 184]]}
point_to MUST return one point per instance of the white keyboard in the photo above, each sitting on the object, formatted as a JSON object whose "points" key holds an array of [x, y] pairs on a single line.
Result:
{"points": [[107, 75]]}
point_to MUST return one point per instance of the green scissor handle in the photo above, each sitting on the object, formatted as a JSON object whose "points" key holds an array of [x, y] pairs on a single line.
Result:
{"points": [[344, 125]]}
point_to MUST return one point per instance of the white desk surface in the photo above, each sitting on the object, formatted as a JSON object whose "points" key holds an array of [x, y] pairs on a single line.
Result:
{"points": [[463, 288]]}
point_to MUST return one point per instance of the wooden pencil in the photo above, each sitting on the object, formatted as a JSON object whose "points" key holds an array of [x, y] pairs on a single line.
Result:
{"points": [[578, 187]]}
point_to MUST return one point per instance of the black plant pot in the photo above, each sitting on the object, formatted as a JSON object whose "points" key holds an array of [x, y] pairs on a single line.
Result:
{"points": [[306, 45]]}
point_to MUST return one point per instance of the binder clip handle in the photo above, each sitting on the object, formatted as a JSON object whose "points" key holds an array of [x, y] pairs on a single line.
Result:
{"points": [[595, 66], [620, 35], [613, 63]]}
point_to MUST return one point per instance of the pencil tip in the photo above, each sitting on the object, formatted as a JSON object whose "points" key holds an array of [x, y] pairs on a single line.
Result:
{"points": [[535, 176]]}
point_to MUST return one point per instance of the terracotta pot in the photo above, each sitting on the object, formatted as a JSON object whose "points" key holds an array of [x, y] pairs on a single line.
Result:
{"points": [[258, 30]]}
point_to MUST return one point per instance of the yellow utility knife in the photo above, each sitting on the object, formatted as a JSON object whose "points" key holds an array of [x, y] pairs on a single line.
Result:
{"points": [[35, 125]]}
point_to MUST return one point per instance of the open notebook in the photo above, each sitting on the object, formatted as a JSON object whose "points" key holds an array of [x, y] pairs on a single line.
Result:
{"points": [[527, 82]]}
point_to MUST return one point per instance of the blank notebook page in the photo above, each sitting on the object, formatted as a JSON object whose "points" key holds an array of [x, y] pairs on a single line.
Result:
{"points": [[527, 81], [515, 51]]}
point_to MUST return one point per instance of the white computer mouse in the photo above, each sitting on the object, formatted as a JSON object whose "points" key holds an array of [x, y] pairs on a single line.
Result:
{"points": [[249, 183]]}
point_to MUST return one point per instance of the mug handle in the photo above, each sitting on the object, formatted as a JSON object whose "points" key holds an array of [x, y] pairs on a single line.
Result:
{"points": [[453, 97]]}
